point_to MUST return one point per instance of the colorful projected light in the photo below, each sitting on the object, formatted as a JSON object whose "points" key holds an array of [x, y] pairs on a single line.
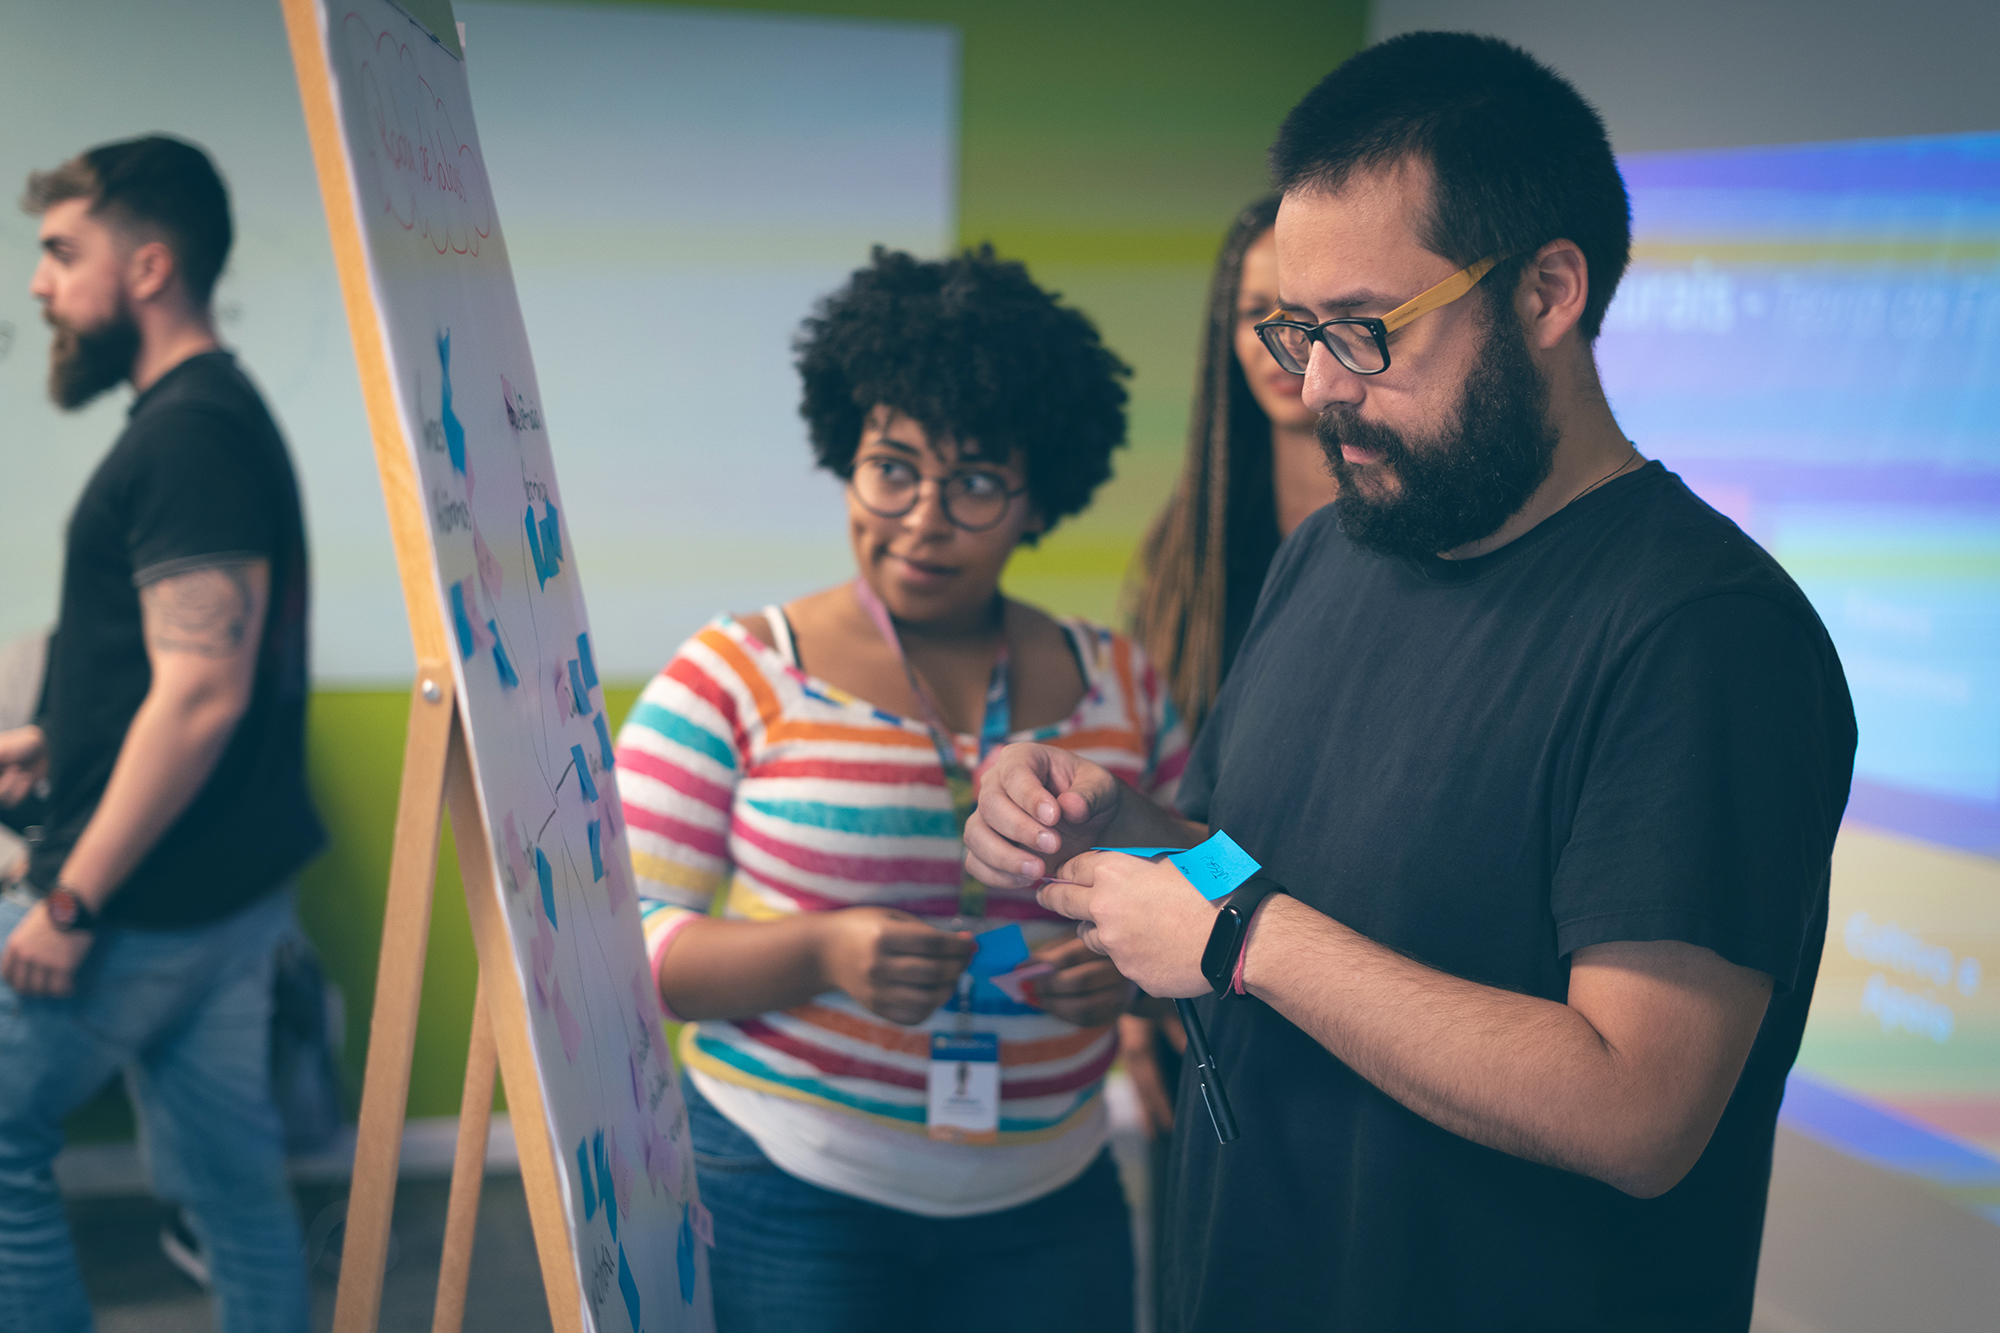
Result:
{"points": [[1810, 336]]}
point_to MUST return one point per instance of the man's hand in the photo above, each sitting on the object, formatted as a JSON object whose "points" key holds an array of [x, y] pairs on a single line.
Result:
{"points": [[892, 963], [40, 960], [1144, 915], [1038, 805], [1084, 989], [24, 762]]}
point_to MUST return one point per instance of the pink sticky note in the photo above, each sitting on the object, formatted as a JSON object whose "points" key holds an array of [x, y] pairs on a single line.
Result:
{"points": [[490, 575], [565, 705], [703, 1222], [517, 860], [616, 891], [663, 1159], [645, 1002], [566, 1024], [621, 1175], [1017, 985]]}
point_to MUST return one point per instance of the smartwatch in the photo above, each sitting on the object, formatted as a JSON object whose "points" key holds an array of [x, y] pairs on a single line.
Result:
{"points": [[67, 912], [1232, 923]]}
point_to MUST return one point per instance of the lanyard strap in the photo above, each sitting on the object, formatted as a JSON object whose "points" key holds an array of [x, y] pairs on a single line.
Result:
{"points": [[993, 729]]}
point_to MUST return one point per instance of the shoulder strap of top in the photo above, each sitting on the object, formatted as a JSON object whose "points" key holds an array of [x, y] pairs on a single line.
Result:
{"points": [[781, 634], [1082, 648]]}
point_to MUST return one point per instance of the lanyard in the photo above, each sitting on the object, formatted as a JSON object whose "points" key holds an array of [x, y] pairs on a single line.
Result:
{"points": [[993, 730]]}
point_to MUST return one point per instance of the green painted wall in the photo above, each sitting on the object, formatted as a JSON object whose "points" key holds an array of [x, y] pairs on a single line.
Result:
{"points": [[1107, 145]]}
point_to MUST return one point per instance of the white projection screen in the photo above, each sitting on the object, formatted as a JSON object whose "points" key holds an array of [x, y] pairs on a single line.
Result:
{"points": [[663, 269]]}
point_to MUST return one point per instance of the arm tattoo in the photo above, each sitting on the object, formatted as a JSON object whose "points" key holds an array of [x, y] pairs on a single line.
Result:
{"points": [[204, 611]]}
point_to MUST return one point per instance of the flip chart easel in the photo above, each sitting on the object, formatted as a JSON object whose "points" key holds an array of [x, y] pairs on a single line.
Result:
{"points": [[430, 305]]}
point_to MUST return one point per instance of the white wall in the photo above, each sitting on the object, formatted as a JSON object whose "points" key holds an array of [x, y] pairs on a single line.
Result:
{"points": [[662, 268], [1722, 73]]}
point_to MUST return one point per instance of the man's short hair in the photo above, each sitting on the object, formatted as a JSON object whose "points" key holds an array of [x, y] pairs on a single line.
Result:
{"points": [[1517, 157], [156, 184]]}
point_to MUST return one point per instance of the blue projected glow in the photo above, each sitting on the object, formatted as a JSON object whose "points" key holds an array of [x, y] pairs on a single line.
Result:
{"points": [[1810, 336]]}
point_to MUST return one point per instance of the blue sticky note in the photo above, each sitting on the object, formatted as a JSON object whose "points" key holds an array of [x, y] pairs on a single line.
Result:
{"points": [[579, 693], [501, 666], [1139, 851], [547, 875], [583, 1174], [583, 781], [551, 537], [1216, 867], [629, 1290], [606, 1194], [461, 623], [583, 656], [684, 1258], [542, 570], [997, 951], [596, 851], [604, 751]]}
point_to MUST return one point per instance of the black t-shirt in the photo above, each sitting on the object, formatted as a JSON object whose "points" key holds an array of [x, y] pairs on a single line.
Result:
{"points": [[1628, 724], [198, 478]]}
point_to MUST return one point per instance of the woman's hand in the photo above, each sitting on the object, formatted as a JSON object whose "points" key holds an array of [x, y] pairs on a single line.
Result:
{"points": [[1142, 1065], [892, 963], [1085, 989]]}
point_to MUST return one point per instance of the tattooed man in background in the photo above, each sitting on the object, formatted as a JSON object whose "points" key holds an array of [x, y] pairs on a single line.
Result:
{"points": [[170, 743]]}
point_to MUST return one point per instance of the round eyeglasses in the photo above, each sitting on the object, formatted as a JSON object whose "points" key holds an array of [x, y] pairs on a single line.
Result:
{"points": [[1361, 342], [974, 499]]}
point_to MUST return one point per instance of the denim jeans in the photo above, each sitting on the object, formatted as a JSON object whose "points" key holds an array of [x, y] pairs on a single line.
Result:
{"points": [[187, 1015], [791, 1257]]}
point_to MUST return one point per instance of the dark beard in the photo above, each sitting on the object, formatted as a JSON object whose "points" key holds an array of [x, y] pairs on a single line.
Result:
{"points": [[83, 365], [1464, 483]]}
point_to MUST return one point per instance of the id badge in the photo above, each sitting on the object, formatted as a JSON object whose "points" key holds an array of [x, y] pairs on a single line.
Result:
{"points": [[965, 1087]]}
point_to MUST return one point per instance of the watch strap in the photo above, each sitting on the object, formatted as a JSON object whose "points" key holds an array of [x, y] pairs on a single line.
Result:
{"points": [[1249, 896], [1232, 927], [67, 909]]}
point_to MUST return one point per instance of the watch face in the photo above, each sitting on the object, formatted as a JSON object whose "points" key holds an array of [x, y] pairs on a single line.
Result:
{"points": [[62, 908], [1218, 960]]}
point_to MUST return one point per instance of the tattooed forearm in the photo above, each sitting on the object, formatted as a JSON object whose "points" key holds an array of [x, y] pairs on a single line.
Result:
{"points": [[204, 611]]}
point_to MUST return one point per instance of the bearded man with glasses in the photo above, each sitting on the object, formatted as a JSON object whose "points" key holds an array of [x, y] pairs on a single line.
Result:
{"points": [[1542, 759]]}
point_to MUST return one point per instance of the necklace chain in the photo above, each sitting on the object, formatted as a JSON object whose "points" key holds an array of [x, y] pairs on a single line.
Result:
{"points": [[1622, 465]]}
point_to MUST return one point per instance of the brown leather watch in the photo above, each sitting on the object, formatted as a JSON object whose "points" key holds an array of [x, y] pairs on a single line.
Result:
{"points": [[67, 911]]}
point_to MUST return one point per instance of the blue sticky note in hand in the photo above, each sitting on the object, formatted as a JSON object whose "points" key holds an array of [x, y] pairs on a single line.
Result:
{"points": [[1138, 851], [998, 951], [1216, 867]]}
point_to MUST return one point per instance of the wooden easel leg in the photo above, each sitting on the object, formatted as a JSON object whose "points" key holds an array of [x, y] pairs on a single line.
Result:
{"points": [[468, 1171], [506, 1010], [399, 979]]}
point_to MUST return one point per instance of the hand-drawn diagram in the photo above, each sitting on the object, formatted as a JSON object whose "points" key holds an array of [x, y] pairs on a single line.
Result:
{"points": [[540, 744]]}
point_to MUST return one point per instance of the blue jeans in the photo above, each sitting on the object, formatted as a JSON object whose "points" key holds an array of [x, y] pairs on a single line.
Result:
{"points": [[791, 1257], [187, 1015]]}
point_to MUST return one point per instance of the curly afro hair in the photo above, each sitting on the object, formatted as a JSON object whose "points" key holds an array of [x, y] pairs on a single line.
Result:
{"points": [[972, 349]]}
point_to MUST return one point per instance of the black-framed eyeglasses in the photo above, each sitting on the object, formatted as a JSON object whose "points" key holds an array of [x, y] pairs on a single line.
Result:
{"points": [[974, 499], [1361, 342]]}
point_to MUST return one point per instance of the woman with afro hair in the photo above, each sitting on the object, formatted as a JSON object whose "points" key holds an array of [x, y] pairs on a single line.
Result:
{"points": [[894, 1075]]}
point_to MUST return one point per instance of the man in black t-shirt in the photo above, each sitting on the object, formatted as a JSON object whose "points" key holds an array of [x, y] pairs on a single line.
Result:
{"points": [[1546, 754], [171, 737]]}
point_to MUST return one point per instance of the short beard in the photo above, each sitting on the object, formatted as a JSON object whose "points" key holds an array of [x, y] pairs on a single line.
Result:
{"points": [[83, 365], [1463, 483]]}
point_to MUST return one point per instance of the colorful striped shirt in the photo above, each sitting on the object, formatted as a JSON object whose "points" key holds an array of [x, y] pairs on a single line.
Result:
{"points": [[745, 778]]}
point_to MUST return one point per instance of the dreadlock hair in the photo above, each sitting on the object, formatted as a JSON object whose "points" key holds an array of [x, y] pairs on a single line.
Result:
{"points": [[1223, 514]]}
